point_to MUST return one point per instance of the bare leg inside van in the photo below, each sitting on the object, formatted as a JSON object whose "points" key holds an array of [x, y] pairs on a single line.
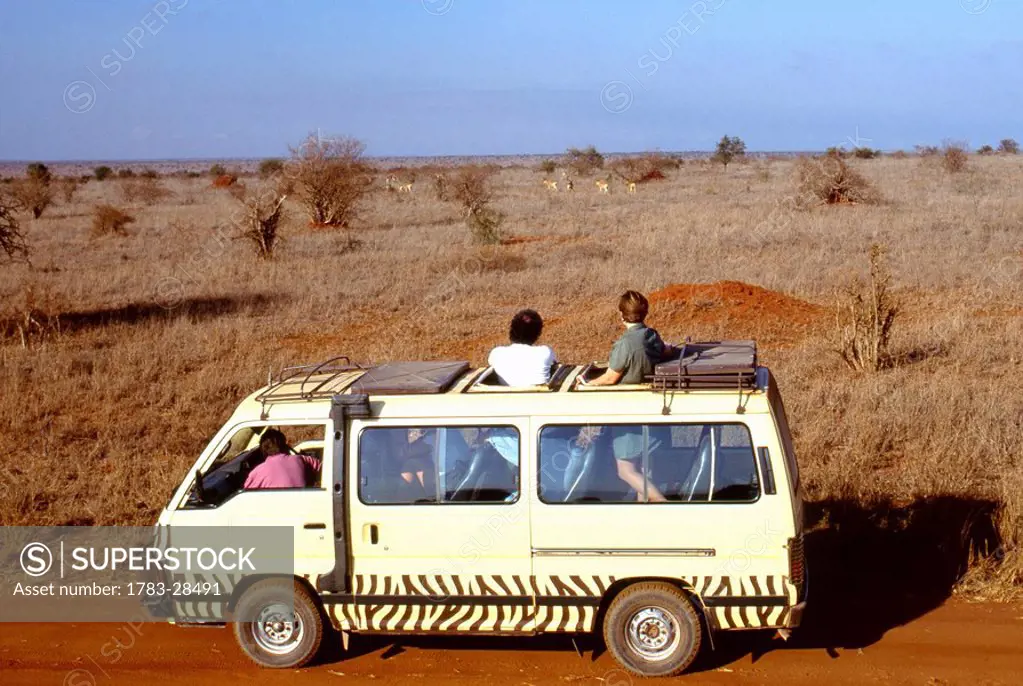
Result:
{"points": [[628, 473]]}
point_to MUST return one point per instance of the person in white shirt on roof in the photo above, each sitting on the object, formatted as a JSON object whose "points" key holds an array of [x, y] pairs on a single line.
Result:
{"points": [[523, 363]]}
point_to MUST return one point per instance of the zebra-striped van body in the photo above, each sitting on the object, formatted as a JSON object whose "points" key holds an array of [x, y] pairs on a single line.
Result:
{"points": [[530, 559], [515, 605]]}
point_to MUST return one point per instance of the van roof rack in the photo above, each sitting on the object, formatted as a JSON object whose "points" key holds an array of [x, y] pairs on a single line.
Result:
{"points": [[314, 381], [340, 375], [709, 365]]}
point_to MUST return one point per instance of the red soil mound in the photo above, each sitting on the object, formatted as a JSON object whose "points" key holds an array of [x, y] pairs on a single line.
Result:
{"points": [[732, 309]]}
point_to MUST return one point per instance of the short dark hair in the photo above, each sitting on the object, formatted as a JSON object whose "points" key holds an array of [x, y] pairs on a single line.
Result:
{"points": [[526, 326], [277, 436], [633, 307]]}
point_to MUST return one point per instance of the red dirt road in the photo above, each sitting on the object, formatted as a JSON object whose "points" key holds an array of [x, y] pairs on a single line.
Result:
{"points": [[957, 643]]}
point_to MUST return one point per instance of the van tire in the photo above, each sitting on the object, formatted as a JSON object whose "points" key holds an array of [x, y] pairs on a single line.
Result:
{"points": [[278, 646], [652, 629]]}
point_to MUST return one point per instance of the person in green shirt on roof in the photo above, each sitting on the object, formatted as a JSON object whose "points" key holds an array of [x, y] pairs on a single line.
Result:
{"points": [[633, 357]]}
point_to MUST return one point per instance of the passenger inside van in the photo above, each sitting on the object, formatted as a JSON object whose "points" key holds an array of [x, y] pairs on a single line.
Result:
{"points": [[491, 471], [627, 444], [593, 463], [281, 467], [634, 355], [505, 440], [523, 363], [417, 471]]}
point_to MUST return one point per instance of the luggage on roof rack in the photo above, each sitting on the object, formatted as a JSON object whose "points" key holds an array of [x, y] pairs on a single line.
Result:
{"points": [[709, 364]]}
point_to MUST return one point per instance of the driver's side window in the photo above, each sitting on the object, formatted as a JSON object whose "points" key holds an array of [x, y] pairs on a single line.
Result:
{"points": [[262, 457]]}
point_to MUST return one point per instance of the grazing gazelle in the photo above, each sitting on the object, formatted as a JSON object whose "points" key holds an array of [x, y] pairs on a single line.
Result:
{"points": [[550, 185], [602, 186], [631, 186]]}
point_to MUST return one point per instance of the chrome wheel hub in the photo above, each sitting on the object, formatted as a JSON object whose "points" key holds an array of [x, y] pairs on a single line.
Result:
{"points": [[653, 633], [277, 630]]}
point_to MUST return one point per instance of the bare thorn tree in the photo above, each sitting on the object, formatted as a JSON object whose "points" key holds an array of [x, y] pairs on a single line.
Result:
{"points": [[33, 194], [260, 220], [584, 162], [830, 181], [12, 241], [955, 156], [871, 310], [473, 190], [331, 177]]}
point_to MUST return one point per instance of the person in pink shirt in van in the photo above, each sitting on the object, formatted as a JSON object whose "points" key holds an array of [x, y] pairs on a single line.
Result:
{"points": [[281, 468]]}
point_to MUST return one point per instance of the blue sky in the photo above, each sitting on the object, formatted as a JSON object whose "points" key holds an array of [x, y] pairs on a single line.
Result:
{"points": [[125, 79]]}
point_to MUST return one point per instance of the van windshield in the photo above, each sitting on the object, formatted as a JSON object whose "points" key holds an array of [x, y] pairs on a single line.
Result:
{"points": [[243, 440]]}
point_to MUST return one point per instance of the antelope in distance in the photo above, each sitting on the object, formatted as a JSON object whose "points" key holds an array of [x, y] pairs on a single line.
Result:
{"points": [[394, 183], [602, 186], [569, 185], [550, 185], [631, 186]]}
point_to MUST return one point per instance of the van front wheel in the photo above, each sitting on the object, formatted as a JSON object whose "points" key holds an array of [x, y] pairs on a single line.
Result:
{"points": [[652, 629], [286, 627]]}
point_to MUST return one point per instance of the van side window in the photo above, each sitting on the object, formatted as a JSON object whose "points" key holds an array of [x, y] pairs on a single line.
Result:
{"points": [[430, 465], [735, 471], [649, 463]]}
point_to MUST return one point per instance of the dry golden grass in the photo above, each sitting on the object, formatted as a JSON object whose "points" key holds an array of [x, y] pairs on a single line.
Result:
{"points": [[162, 331], [143, 189]]}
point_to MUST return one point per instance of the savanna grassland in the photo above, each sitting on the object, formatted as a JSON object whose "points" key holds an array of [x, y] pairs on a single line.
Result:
{"points": [[123, 354]]}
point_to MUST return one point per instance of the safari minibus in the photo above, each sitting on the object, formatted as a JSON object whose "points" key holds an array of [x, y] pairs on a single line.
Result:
{"points": [[444, 503]]}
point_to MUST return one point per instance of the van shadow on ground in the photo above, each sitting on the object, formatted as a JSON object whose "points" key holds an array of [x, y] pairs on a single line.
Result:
{"points": [[871, 569]]}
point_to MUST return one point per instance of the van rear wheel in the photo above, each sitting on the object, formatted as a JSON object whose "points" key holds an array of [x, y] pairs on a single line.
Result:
{"points": [[652, 629], [287, 626]]}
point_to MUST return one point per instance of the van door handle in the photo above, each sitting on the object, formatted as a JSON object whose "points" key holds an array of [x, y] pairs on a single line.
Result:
{"points": [[315, 525], [370, 533]]}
